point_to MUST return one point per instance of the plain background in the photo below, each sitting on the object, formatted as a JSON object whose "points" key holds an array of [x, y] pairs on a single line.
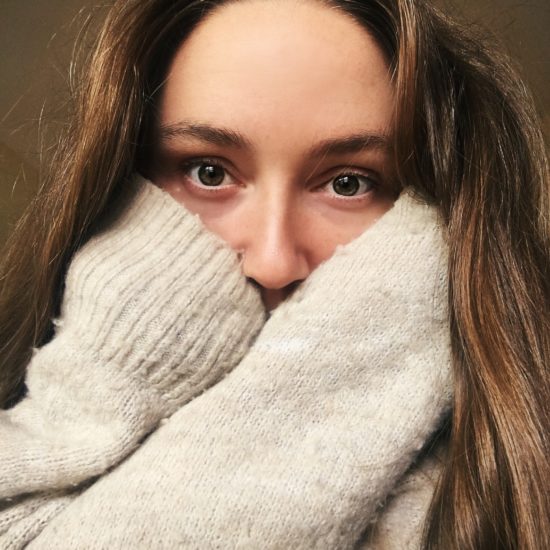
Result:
{"points": [[36, 44]]}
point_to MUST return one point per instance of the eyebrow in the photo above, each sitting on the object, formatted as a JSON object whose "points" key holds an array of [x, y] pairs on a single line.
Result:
{"points": [[225, 137], [206, 133]]}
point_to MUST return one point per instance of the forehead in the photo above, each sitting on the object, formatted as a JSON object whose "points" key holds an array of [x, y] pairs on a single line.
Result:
{"points": [[265, 67]]}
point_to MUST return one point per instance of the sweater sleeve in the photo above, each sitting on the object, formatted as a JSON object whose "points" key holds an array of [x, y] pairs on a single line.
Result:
{"points": [[400, 522], [300, 445], [23, 518], [155, 310]]}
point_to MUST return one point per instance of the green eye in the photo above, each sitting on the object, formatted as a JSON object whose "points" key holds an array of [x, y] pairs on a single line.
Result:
{"points": [[349, 185], [211, 175]]}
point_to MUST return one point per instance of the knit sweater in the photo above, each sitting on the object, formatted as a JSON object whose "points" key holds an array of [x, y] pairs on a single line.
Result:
{"points": [[302, 443]]}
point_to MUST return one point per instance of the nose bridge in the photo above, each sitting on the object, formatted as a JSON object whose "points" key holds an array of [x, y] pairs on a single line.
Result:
{"points": [[273, 252], [276, 221]]}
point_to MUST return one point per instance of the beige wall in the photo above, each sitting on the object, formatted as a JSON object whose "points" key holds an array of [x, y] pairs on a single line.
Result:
{"points": [[523, 27], [17, 180], [36, 38]]}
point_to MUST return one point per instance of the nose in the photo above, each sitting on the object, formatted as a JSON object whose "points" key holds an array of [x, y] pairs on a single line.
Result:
{"points": [[274, 252]]}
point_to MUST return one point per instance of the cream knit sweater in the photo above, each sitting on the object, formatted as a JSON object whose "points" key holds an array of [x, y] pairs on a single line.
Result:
{"points": [[308, 441]]}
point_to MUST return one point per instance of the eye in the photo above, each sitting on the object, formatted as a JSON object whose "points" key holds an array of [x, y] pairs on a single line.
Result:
{"points": [[351, 185], [206, 173]]}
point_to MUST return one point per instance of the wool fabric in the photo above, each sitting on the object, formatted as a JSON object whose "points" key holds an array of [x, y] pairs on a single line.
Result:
{"points": [[312, 436], [154, 311]]}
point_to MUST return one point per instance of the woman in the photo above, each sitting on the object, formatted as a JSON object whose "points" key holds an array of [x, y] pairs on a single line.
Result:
{"points": [[311, 420]]}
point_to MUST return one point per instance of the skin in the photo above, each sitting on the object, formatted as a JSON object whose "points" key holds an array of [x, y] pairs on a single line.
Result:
{"points": [[287, 77]]}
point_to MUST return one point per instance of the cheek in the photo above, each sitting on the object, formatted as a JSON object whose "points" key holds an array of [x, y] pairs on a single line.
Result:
{"points": [[328, 228], [227, 223], [323, 239], [312, 228], [171, 187], [220, 217]]}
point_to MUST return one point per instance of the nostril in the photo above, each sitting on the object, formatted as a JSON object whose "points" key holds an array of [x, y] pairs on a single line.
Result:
{"points": [[272, 297], [288, 289], [255, 283], [293, 286]]}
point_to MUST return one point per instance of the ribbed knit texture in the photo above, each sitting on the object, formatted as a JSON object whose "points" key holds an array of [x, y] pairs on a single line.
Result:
{"points": [[25, 517], [303, 442], [155, 310]]}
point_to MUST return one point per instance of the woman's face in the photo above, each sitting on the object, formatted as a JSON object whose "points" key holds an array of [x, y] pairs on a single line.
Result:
{"points": [[273, 128]]}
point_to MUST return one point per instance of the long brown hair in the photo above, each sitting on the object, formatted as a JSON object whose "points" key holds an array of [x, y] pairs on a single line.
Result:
{"points": [[467, 138]]}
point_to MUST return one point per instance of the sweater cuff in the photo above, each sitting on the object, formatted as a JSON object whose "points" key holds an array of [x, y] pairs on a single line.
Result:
{"points": [[157, 294]]}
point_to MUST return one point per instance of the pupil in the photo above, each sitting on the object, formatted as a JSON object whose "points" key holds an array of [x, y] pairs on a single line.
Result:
{"points": [[346, 185], [212, 175]]}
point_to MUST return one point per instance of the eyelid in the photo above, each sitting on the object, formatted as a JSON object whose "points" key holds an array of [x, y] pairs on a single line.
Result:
{"points": [[196, 161], [347, 169], [330, 175]]}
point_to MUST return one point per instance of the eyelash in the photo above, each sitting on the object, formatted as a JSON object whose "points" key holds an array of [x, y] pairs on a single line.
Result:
{"points": [[197, 162]]}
